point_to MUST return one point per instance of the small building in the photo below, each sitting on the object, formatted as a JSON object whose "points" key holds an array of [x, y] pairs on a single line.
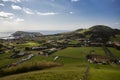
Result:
{"points": [[117, 45], [93, 58], [41, 53], [20, 54], [53, 49], [96, 44]]}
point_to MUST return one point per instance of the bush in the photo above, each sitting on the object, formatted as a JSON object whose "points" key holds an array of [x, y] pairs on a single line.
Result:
{"points": [[29, 66]]}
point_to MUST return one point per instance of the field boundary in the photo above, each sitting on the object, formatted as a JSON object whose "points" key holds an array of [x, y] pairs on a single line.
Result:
{"points": [[85, 74]]}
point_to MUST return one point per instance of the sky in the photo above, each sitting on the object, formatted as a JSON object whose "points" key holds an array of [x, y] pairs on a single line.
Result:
{"points": [[58, 14]]}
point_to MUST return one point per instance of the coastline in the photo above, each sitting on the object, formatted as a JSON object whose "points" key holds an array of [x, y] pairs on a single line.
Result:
{"points": [[8, 35]]}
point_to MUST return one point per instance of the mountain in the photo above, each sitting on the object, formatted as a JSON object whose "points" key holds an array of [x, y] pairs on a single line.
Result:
{"points": [[23, 34], [97, 33], [100, 33]]}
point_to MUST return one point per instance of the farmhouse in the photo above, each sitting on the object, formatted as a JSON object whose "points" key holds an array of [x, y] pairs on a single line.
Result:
{"points": [[20, 54], [93, 58], [36, 48], [49, 41], [81, 39], [96, 44], [117, 45], [41, 53]]}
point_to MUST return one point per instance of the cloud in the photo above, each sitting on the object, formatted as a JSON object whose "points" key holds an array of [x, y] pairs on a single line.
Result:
{"points": [[71, 12], [13, 22], [52, 0], [15, 1], [117, 23], [6, 15], [47, 13], [19, 20], [16, 7], [2, 4], [28, 11], [75, 0]]}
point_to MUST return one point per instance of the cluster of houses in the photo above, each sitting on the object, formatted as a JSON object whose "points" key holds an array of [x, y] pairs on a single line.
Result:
{"points": [[83, 42], [36, 48], [109, 58], [20, 54], [64, 41], [114, 44], [43, 50], [48, 51], [93, 58], [52, 45]]}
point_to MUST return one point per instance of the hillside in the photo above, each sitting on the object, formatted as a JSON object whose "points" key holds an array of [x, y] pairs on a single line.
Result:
{"points": [[82, 54], [74, 64], [23, 34], [97, 33]]}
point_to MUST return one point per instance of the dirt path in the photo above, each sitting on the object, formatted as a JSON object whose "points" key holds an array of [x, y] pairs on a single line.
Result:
{"points": [[85, 74]]}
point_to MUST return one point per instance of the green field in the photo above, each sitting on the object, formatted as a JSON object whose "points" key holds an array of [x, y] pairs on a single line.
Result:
{"points": [[115, 52], [74, 64], [30, 44], [117, 38]]}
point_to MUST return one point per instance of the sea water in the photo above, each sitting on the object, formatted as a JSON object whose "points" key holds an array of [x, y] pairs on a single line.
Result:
{"points": [[5, 35]]}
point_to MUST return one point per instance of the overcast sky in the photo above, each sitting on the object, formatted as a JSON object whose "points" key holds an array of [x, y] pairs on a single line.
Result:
{"points": [[58, 14]]}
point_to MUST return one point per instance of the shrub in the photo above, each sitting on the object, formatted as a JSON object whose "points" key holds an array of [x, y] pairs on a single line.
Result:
{"points": [[29, 66]]}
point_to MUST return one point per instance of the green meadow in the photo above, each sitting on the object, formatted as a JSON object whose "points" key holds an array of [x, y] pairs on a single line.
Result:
{"points": [[74, 63]]}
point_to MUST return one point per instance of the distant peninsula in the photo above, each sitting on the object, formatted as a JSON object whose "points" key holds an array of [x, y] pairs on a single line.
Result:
{"points": [[23, 34]]}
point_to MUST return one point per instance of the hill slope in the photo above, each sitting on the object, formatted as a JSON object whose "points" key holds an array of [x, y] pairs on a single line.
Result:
{"points": [[97, 33], [26, 34]]}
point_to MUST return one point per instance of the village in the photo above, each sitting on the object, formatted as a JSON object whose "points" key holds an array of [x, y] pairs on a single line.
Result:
{"points": [[50, 46], [73, 48]]}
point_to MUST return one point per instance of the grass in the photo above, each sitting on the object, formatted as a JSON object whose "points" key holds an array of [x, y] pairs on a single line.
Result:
{"points": [[65, 72], [74, 42], [79, 52], [103, 74], [30, 44], [115, 52], [48, 75], [73, 68], [29, 66], [69, 72], [5, 59], [117, 38], [83, 31]]}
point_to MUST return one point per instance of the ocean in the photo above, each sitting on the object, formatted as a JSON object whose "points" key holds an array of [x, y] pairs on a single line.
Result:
{"points": [[5, 34], [44, 32]]}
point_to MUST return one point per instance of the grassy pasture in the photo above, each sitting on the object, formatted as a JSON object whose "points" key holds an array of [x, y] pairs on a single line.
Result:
{"points": [[30, 44], [115, 52], [74, 64]]}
